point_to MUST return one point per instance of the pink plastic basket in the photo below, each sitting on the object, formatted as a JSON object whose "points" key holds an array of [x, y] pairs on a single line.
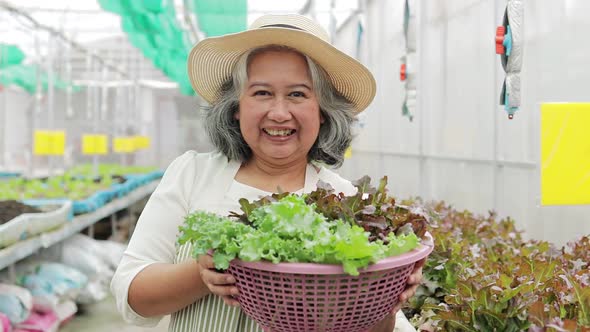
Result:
{"points": [[293, 297]]}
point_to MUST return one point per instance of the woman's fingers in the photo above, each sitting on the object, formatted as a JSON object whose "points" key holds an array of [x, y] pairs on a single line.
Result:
{"points": [[420, 263], [416, 277], [221, 284], [230, 301], [408, 293], [206, 262], [414, 281], [215, 278], [404, 297]]}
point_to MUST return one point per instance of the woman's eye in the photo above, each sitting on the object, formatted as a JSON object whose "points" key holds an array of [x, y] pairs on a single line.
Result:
{"points": [[297, 94], [262, 93]]}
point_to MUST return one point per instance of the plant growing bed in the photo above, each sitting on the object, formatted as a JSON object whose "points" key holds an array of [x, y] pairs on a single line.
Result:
{"points": [[87, 191], [483, 276], [76, 184], [30, 221], [10, 209]]}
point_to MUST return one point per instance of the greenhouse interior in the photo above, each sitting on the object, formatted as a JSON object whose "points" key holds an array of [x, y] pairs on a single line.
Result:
{"points": [[464, 151]]}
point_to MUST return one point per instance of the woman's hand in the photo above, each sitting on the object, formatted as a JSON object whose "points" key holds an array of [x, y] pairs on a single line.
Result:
{"points": [[220, 284], [414, 281]]}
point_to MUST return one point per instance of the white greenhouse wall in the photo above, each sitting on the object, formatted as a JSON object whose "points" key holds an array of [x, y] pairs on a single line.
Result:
{"points": [[461, 148]]}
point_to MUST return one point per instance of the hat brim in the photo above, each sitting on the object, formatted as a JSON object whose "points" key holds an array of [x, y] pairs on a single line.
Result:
{"points": [[211, 61]]}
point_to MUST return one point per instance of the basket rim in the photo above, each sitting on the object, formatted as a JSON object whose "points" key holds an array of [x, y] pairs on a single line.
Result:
{"points": [[406, 258]]}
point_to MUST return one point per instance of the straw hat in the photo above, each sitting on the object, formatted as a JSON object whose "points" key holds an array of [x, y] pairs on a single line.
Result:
{"points": [[211, 61]]}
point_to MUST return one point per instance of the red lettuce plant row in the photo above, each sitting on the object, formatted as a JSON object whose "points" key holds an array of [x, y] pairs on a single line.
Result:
{"points": [[482, 276], [370, 208]]}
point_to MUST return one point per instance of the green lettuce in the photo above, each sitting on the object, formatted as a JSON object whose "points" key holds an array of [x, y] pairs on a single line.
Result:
{"points": [[289, 230]]}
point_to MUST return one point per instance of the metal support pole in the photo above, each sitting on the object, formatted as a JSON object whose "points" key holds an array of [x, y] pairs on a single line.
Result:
{"points": [[135, 115], [191, 20], [103, 110], [114, 224], [3, 117], [3, 112], [12, 273], [68, 60], [38, 97], [50, 97], [332, 20], [496, 166], [104, 94], [126, 110], [96, 118], [91, 231], [89, 88], [421, 111], [132, 219]]}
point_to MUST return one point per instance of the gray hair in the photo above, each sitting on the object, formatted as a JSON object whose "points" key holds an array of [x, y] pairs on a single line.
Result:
{"points": [[335, 133]]}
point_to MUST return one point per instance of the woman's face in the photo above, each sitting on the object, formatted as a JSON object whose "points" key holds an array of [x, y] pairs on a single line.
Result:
{"points": [[279, 113]]}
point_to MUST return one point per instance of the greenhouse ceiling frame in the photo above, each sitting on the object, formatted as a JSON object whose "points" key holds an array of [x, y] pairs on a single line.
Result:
{"points": [[17, 11]]}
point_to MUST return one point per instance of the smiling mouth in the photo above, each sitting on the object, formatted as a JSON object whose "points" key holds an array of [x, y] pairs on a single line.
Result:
{"points": [[279, 132]]}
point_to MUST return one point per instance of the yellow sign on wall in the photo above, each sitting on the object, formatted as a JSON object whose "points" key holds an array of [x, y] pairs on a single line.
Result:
{"points": [[124, 144], [94, 144], [565, 153], [49, 142]]}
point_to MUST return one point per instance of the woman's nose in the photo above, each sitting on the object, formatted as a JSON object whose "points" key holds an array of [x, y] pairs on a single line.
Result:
{"points": [[279, 110]]}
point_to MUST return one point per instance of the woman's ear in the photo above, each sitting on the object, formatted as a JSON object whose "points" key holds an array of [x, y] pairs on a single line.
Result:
{"points": [[322, 120], [237, 115]]}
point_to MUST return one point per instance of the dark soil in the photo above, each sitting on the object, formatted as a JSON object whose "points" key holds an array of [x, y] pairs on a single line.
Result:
{"points": [[11, 209], [119, 178], [116, 178]]}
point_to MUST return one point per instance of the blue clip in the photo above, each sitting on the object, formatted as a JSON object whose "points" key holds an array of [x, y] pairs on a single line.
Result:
{"points": [[508, 40], [509, 109]]}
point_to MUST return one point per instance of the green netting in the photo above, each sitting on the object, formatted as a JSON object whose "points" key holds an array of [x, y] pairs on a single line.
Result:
{"points": [[145, 44], [146, 23], [26, 77], [151, 27], [151, 6], [10, 55], [127, 25], [218, 17], [124, 7], [114, 6]]}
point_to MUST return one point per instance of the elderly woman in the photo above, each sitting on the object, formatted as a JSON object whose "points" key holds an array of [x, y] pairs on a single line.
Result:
{"points": [[282, 104]]}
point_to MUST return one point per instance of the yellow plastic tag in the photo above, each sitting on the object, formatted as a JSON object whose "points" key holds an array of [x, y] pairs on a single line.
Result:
{"points": [[58, 142], [124, 144], [42, 143], [49, 142], [565, 153], [94, 144], [142, 142]]}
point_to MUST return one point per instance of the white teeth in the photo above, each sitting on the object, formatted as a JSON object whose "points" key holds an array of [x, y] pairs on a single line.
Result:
{"points": [[280, 132]]}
